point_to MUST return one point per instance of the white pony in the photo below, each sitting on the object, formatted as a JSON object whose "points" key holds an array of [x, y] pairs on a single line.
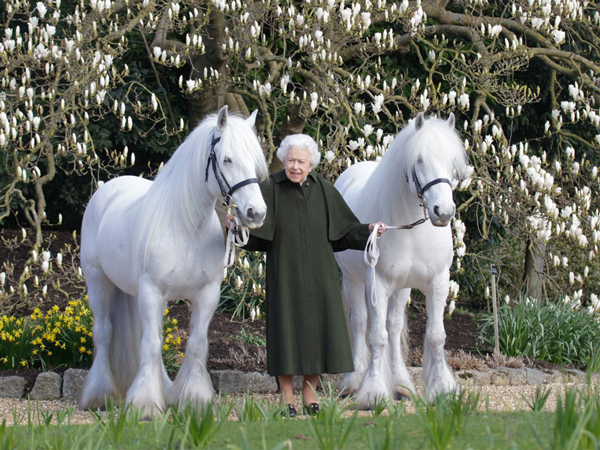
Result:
{"points": [[144, 243], [413, 179]]}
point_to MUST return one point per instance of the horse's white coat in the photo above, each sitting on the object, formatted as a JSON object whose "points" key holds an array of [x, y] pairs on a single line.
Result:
{"points": [[417, 258], [144, 243]]}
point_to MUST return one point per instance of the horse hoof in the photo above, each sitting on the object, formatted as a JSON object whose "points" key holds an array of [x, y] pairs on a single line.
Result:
{"points": [[400, 396], [346, 393]]}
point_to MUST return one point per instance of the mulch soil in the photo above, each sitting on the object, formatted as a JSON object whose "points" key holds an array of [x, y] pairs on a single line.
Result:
{"points": [[226, 348]]}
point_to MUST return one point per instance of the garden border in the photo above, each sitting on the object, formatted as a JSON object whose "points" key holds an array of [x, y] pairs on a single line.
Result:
{"points": [[53, 386]]}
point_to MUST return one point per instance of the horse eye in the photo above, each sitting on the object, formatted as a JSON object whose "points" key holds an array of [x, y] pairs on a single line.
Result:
{"points": [[420, 160], [227, 160]]}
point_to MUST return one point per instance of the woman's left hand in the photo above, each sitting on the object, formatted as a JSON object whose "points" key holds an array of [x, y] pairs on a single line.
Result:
{"points": [[382, 228]]}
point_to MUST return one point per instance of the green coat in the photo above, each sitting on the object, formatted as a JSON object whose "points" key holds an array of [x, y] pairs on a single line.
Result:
{"points": [[306, 325]]}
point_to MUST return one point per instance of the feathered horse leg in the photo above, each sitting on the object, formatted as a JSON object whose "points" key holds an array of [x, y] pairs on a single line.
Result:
{"points": [[359, 315], [193, 384], [398, 335], [376, 385], [436, 372], [100, 383], [147, 392]]}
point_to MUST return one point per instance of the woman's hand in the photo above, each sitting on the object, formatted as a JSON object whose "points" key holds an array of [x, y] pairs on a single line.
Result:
{"points": [[382, 228], [229, 220]]}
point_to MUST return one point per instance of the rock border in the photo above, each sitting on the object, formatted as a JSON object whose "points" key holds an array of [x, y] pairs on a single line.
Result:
{"points": [[51, 386]]}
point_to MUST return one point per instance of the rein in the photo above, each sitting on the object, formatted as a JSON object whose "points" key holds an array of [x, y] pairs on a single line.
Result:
{"points": [[371, 253], [238, 234]]}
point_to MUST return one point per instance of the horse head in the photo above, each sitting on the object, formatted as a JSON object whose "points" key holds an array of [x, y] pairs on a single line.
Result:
{"points": [[237, 164], [436, 166]]}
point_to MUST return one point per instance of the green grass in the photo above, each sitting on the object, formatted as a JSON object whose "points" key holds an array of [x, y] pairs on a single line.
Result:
{"points": [[486, 430], [450, 422]]}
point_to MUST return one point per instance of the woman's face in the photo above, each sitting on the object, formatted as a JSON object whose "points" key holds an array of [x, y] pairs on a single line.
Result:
{"points": [[297, 164]]}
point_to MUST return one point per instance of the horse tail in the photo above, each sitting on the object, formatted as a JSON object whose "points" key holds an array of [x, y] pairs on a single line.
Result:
{"points": [[124, 349]]}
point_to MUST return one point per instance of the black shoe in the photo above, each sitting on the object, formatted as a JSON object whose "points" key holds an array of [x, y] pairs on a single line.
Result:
{"points": [[289, 411], [311, 409]]}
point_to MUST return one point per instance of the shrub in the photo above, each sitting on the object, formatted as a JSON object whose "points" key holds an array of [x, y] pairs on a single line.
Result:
{"points": [[243, 291], [552, 332], [64, 338]]}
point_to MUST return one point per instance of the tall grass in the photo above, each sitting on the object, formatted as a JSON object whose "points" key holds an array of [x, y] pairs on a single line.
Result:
{"points": [[441, 424], [576, 423], [553, 332], [446, 416]]}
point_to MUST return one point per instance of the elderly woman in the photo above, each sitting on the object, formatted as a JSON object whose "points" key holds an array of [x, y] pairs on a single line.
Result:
{"points": [[307, 221]]}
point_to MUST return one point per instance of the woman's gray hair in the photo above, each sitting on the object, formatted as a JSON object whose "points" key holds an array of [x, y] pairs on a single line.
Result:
{"points": [[300, 141]]}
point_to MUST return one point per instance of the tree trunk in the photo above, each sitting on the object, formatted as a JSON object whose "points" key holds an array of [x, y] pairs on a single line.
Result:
{"points": [[533, 274]]}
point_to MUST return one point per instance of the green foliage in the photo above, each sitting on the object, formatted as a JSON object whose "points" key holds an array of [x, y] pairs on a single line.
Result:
{"points": [[252, 410], [243, 291], [6, 437], [63, 337], [16, 342], [592, 363], [576, 423], [539, 398], [246, 337], [553, 332], [198, 427], [390, 441], [445, 417], [329, 428], [114, 420]]}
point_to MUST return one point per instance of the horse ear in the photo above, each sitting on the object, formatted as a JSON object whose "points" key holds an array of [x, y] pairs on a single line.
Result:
{"points": [[419, 121], [222, 118], [252, 119], [451, 120]]}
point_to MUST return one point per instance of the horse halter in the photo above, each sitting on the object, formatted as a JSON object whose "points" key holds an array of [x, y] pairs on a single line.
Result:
{"points": [[226, 189], [420, 191]]}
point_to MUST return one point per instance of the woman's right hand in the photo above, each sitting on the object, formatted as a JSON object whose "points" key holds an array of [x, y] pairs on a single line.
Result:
{"points": [[229, 220]]}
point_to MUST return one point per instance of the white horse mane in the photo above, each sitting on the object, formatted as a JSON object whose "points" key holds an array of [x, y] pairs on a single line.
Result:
{"points": [[179, 200], [436, 140]]}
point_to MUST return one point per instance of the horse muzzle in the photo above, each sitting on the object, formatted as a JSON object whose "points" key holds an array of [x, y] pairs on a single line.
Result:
{"points": [[252, 217], [440, 216]]}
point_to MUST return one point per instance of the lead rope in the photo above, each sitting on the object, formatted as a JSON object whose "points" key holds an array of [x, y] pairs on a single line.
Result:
{"points": [[371, 256], [371, 253], [237, 236]]}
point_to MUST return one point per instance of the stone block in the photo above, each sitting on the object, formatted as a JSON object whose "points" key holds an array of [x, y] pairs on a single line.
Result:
{"points": [[261, 383], [47, 387], [573, 376], [472, 378], [12, 387], [535, 377], [500, 377], [229, 381], [330, 380], [73, 382], [516, 377]]}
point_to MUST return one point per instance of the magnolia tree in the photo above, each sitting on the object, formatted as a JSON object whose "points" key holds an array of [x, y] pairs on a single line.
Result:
{"points": [[60, 65], [519, 76]]}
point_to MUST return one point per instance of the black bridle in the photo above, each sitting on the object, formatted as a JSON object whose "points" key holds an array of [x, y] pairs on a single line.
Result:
{"points": [[226, 189], [420, 191]]}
